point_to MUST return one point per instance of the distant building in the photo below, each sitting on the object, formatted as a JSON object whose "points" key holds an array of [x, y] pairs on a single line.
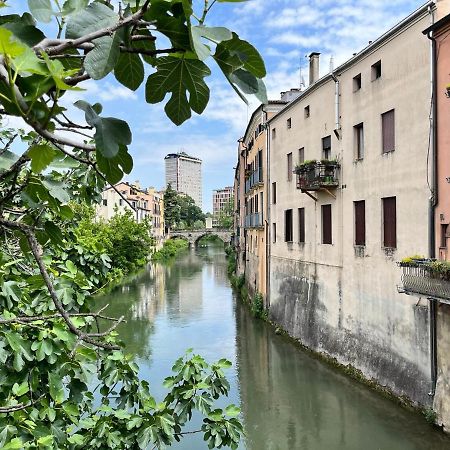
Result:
{"points": [[221, 199], [142, 203], [184, 174]]}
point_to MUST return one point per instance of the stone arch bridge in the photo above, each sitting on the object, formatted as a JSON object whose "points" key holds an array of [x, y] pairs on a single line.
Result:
{"points": [[193, 236]]}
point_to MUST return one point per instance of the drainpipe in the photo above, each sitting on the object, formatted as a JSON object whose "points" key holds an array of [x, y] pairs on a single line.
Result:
{"points": [[337, 113], [432, 205], [268, 199]]}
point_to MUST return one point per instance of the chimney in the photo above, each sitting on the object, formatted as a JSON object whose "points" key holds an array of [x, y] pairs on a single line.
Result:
{"points": [[313, 67]]}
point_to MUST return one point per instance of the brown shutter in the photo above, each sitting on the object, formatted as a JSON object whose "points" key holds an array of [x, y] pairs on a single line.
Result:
{"points": [[360, 222], [301, 224], [388, 127], [390, 222], [326, 225], [288, 225], [289, 167]]}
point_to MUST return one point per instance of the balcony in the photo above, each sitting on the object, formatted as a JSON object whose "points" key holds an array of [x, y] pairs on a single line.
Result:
{"points": [[253, 179], [316, 175], [426, 277], [254, 220]]}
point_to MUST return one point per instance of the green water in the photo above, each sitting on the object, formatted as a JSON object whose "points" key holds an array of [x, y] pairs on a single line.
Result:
{"points": [[288, 399]]}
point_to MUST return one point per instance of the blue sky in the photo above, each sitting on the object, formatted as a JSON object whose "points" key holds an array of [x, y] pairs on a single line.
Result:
{"points": [[284, 31]]}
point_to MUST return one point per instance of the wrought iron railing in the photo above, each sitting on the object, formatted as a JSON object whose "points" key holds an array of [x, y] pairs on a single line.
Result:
{"points": [[254, 220], [318, 175], [420, 278], [254, 178]]}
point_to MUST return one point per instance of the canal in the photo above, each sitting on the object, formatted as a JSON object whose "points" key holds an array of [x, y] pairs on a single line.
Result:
{"points": [[289, 400]]}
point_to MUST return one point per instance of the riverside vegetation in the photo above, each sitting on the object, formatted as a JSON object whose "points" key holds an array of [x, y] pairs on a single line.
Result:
{"points": [[56, 347], [170, 249]]}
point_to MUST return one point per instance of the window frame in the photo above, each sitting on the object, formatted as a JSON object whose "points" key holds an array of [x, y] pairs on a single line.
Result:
{"points": [[327, 232], [389, 239], [359, 240], [288, 225], [357, 83], [326, 151], [301, 225], [384, 132], [290, 167], [376, 70], [359, 141]]}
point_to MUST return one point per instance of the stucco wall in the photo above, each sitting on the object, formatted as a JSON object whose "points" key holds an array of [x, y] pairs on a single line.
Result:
{"points": [[342, 299]]}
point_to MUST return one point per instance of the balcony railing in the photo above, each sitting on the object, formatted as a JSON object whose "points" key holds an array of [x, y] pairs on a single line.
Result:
{"points": [[254, 178], [254, 220], [315, 175], [426, 277]]}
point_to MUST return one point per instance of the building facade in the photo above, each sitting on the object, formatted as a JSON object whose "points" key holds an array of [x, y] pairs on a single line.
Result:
{"points": [[348, 194], [184, 174], [144, 204], [222, 200], [253, 198]]}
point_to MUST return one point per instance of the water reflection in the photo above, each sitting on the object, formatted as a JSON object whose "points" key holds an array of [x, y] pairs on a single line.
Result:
{"points": [[289, 400]]}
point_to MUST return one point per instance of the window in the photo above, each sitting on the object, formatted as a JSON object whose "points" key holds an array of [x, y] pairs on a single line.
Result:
{"points": [[301, 225], [376, 70], [288, 226], [326, 225], [388, 131], [274, 232], [289, 167], [274, 193], [105, 202], [307, 112], [357, 83], [360, 222], [289, 123], [359, 141], [444, 227], [301, 155], [389, 222], [274, 133], [326, 147]]}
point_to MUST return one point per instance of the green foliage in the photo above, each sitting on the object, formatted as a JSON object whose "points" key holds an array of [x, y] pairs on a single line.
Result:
{"points": [[55, 349], [181, 212], [430, 416], [413, 258], [226, 215], [170, 249], [257, 307], [433, 268]]}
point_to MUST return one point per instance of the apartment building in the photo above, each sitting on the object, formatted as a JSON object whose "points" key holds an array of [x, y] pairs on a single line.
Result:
{"points": [[184, 174], [222, 199], [251, 195], [357, 141], [142, 203]]}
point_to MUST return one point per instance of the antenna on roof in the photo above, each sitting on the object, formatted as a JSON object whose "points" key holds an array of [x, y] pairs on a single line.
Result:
{"points": [[302, 79]]}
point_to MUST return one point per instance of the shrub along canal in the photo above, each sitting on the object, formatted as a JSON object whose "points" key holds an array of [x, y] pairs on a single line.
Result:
{"points": [[289, 399]]}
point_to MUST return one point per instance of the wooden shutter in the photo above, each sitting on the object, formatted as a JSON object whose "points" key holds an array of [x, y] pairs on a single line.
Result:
{"points": [[388, 127], [289, 167], [390, 222], [288, 225], [301, 224], [360, 222], [326, 225]]}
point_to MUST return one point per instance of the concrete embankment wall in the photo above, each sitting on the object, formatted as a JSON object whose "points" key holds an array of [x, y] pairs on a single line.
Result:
{"points": [[383, 334]]}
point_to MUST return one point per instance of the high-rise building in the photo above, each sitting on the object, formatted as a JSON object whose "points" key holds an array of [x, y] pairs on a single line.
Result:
{"points": [[221, 199], [184, 174]]}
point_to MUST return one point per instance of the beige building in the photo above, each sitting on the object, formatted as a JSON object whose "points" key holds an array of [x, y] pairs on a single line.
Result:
{"points": [[142, 203], [251, 196], [357, 140], [221, 200]]}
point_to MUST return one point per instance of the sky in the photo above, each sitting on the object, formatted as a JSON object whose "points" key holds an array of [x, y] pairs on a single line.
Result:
{"points": [[284, 32]]}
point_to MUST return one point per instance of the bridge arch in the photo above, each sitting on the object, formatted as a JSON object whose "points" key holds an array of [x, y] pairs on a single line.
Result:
{"points": [[193, 236]]}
